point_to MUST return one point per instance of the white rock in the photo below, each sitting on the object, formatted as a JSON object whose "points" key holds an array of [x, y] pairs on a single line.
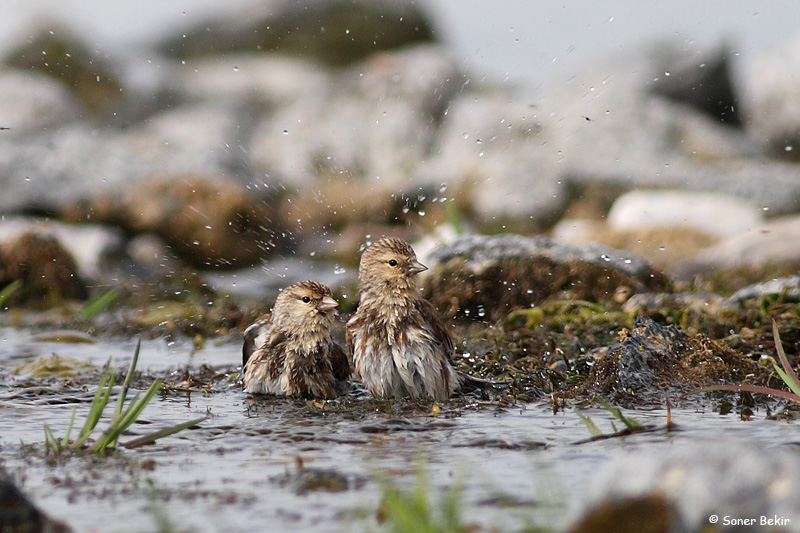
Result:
{"points": [[374, 122], [265, 79], [31, 102], [711, 213], [774, 90], [733, 478], [777, 241]]}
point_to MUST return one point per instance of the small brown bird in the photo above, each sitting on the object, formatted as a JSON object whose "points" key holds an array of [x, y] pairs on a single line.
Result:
{"points": [[291, 352], [400, 346]]}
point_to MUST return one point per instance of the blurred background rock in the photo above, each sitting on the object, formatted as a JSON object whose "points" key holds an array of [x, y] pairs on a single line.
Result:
{"points": [[245, 135]]}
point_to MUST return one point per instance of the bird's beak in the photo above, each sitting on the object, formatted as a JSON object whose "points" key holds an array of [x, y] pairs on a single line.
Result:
{"points": [[328, 304], [416, 267]]}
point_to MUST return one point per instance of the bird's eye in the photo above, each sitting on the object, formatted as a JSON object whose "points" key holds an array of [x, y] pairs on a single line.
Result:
{"points": [[393, 262], [306, 299]]}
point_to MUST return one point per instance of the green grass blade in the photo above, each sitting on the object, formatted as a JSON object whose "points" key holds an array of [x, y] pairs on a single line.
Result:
{"points": [[65, 441], [166, 432], [790, 377], [127, 383], [50, 440], [125, 386], [452, 509], [788, 380], [9, 290], [98, 406], [593, 429], [403, 513], [96, 306], [629, 423], [126, 419]]}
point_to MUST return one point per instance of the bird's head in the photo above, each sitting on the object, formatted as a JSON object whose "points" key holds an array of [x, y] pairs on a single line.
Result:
{"points": [[389, 264], [304, 307]]}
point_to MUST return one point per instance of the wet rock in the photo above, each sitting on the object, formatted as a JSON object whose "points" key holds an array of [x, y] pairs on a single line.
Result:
{"points": [[211, 222], [787, 288], [95, 248], [774, 116], [56, 52], [336, 32], [711, 213], [48, 272], [652, 359], [773, 243], [31, 101], [488, 276], [19, 515], [691, 483]]}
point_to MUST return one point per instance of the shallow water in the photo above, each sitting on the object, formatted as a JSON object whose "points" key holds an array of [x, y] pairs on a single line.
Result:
{"points": [[239, 470]]}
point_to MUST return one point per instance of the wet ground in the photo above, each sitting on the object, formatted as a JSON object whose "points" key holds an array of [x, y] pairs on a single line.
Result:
{"points": [[259, 464]]}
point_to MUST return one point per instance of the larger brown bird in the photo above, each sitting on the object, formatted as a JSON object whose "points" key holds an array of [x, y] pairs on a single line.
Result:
{"points": [[399, 344], [291, 352]]}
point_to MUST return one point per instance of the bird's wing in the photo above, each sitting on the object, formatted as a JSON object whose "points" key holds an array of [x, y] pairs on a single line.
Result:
{"points": [[438, 329], [257, 334], [339, 362]]}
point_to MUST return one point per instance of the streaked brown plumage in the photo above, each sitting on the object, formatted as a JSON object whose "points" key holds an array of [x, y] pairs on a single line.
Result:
{"points": [[291, 352], [399, 345]]}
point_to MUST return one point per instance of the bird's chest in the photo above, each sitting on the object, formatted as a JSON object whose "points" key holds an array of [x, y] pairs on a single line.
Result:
{"points": [[394, 341]]}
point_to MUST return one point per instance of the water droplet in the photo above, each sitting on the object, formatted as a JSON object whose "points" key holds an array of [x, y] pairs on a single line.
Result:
{"points": [[339, 270], [286, 132], [789, 148], [236, 69]]}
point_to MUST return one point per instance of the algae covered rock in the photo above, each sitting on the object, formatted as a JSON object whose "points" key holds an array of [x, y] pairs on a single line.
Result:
{"points": [[480, 275], [46, 270], [652, 359]]}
